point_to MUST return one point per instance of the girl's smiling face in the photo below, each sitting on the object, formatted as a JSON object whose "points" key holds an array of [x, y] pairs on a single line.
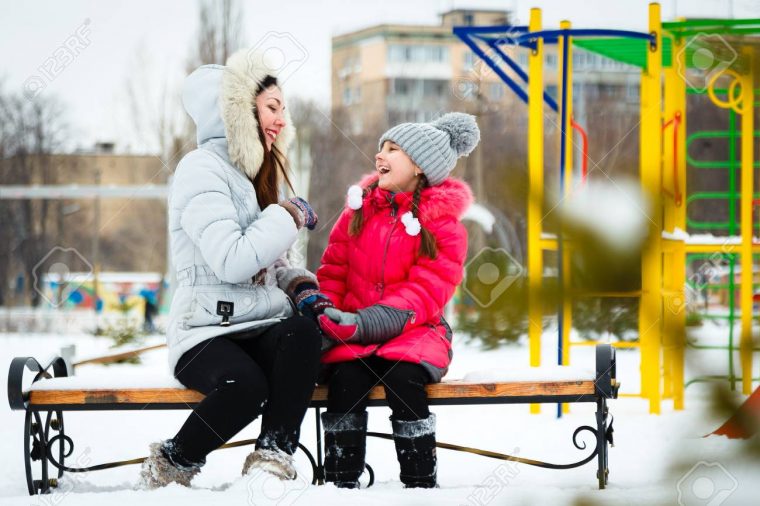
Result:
{"points": [[271, 109], [398, 173]]}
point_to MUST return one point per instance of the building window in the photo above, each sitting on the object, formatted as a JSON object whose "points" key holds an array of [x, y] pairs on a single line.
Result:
{"points": [[496, 91], [632, 92], [434, 87], [469, 19], [357, 124], [401, 86], [350, 65], [418, 53], [469, 60]]}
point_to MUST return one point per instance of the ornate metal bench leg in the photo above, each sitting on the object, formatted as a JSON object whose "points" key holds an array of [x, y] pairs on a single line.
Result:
{"points": [[38, 447], [371, 474], [35, 448], [319, 475], [36, 442], [54, 421], [31, 450], [602, 472]]}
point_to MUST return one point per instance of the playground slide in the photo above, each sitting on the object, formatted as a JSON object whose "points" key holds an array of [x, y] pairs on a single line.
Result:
{"points": [[746, 420]]}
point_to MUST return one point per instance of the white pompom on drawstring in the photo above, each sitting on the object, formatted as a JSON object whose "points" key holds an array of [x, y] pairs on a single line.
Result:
{"points": [[411, 223], [355, 197]]}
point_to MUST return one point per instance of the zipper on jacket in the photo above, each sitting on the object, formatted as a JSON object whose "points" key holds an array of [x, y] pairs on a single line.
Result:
{"points": [[381, 285]]}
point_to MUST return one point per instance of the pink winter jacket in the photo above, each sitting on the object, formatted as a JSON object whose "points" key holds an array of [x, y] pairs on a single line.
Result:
{"points": [[382, 265]]}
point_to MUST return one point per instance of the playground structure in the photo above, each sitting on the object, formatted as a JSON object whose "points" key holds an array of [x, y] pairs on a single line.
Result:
{"points": [[667, 54]]}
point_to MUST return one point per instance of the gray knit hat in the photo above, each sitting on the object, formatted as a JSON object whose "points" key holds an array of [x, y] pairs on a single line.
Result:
{"points": [[435, 146]]}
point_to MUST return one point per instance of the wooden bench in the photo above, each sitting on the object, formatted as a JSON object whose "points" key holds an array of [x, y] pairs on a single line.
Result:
{"points": [[52, 392]]}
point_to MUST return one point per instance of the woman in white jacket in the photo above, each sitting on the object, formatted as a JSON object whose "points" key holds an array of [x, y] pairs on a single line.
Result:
{"points": [[234, 330]]}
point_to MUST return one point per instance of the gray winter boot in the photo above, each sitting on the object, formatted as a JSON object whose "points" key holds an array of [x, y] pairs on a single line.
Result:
{"points": [[345, 447], [159, 469], [415, 449], [275, 462]]}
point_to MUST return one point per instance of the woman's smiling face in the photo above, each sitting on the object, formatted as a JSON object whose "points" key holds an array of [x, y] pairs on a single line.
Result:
{"points": [[398, 173], [271, 108]]}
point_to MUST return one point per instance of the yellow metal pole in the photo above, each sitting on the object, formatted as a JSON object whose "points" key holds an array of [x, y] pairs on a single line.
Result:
{"points": [[675, 302], [567, 302], [535, 193], [747, 185], [669, 110], [674, 261], [678, 340], [650, 144], [678, 98]]}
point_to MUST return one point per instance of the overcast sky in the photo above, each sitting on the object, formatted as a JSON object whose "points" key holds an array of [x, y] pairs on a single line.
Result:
{"points": [[92, 86]]}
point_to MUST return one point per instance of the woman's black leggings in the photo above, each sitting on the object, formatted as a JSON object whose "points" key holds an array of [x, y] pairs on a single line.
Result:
{"points": [[404, 383], [273, 373]]}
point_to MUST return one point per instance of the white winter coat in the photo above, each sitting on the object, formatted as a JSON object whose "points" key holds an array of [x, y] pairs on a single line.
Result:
{"points": [[224, 247]]}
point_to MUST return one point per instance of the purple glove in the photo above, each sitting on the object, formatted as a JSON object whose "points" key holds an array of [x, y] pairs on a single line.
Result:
{"points": [[302, 212]]}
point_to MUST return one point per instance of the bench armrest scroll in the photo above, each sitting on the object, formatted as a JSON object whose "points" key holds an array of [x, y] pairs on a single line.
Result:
{"points": [[16, 396]]}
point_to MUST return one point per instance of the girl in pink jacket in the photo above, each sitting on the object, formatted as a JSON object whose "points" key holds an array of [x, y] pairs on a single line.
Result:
{"points": [[393, 261]]}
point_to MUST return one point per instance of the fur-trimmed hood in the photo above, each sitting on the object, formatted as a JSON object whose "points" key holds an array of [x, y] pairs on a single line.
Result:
{"points": [[450, 198], [220, 99]]}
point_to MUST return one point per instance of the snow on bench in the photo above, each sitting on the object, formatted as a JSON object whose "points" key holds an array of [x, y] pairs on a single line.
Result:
{"points": [[123, 390]]}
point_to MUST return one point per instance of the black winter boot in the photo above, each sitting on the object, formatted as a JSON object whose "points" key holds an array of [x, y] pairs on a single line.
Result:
{"points": [[345, 447], [415, 449]]}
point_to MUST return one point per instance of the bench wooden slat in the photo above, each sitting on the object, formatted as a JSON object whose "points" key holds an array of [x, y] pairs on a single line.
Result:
{"points": [[445, 390]]}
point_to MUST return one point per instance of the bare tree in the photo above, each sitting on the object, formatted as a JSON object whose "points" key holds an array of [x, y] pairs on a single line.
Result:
{"points": [[339, 159], [154, 108], [220, 32], [32, 130]]}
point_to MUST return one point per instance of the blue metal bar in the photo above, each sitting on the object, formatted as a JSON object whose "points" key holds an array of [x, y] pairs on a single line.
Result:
{"points": [[506, 39], [548, 36], [504, 77], [523, 75], [508, 34], [562, 161]]}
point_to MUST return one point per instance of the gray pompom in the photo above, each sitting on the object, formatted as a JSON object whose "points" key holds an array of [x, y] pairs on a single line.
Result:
{"points": [[462, 129]]}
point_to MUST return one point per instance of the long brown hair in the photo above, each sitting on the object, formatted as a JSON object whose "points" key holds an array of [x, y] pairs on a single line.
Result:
{"points": [[275, 163], [428, 246]]}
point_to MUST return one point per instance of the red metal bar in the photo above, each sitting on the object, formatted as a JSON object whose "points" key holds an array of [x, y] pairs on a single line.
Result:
{"points": [[676, 121], [584, 137]]}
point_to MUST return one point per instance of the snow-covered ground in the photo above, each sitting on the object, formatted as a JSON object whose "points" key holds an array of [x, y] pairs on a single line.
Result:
{"points": [[656, 459]]}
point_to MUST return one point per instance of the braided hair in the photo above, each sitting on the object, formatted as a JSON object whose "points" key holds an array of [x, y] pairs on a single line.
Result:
{"points": [[428, 246]]}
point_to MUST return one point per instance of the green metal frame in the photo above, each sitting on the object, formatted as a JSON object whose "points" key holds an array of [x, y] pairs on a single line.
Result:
{"points": [[731, 227], [634, 51]]}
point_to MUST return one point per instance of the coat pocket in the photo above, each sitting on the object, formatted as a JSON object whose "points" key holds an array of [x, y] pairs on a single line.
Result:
{"points": [[246, 306]]}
